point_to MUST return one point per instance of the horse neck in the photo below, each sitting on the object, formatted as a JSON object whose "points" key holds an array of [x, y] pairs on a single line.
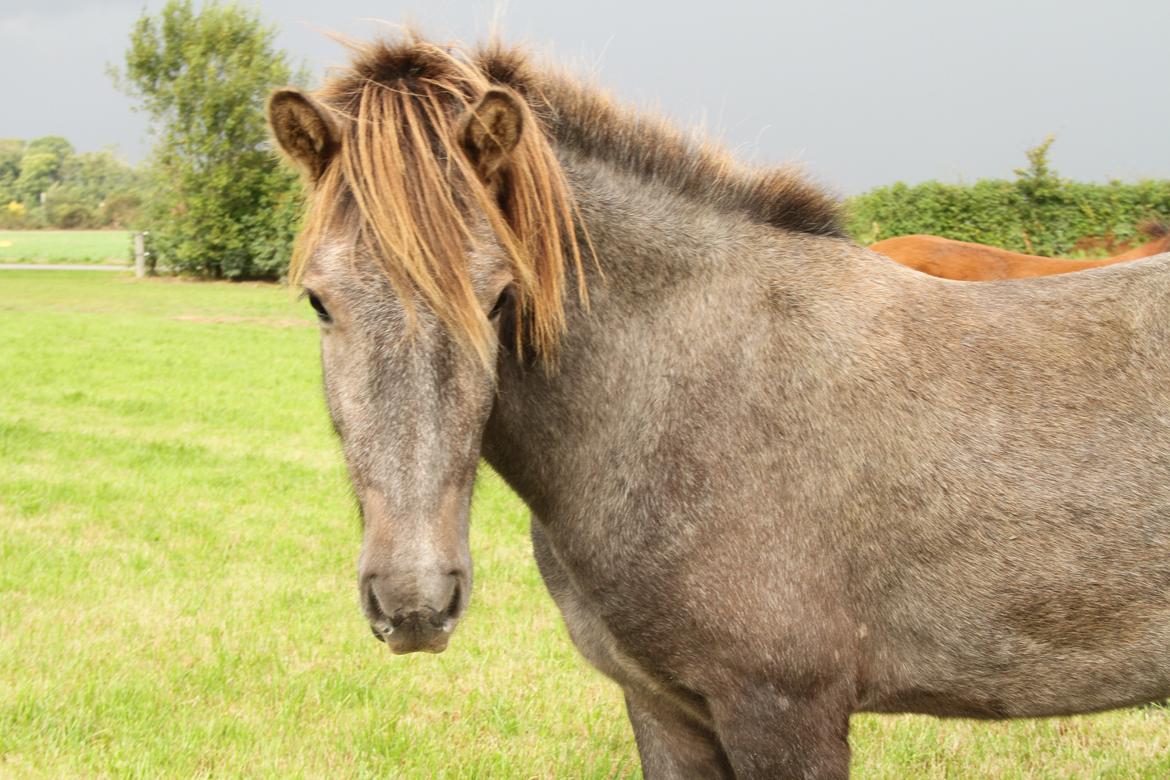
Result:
{"points": [[1047, 266], [1035, 265], [1069, 266], [676, 304], [1155, 247], [543, 423]]}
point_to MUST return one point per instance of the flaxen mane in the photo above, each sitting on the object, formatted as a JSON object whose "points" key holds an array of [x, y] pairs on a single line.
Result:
{"points": [[415, 196], [584, 118]]}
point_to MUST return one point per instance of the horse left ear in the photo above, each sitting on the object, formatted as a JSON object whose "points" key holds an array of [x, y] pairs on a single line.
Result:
{"points": [[303, 130], [490, 130]]}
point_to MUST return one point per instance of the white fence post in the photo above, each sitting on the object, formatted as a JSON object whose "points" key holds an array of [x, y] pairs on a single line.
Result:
{"points": [[139, 255]]}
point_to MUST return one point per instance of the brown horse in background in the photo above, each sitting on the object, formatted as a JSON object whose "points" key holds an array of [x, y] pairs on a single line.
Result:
{"points": [[969, 262]]}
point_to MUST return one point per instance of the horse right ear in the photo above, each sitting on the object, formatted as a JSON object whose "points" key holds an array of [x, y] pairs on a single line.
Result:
{"points": [[490, 130], [303, 129]]}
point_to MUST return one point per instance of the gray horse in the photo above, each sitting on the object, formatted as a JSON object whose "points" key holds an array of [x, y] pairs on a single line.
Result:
{"points": [[775, 478]]}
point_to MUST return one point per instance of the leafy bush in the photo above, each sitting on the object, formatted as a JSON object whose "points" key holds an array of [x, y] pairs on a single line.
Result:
{"points": [[13, 215], [1039, 212], [66, 207], [121, 209]]}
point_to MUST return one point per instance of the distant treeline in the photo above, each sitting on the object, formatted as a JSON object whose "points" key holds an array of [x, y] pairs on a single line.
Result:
{"points": [[1038, 212], [45, 183]]}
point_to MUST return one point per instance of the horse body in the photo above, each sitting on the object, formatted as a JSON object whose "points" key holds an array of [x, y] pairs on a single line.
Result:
{"points": [[969, 262], [774, 480], [849, 482]]}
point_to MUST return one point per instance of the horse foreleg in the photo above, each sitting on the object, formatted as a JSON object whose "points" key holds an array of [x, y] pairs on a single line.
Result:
{"points": [[768, 734], [671, 746]]}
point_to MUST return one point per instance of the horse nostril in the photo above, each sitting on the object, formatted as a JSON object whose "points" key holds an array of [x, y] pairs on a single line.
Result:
{"points": [[453, 605], [370, 604], [380, 625]]}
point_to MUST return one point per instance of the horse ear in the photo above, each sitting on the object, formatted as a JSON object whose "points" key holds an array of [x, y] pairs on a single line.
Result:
{"points": [[303, 129], [490, 131]]}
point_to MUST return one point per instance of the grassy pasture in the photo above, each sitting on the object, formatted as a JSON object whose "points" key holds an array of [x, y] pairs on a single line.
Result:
{"points": [[177, 566], [65, 246]]}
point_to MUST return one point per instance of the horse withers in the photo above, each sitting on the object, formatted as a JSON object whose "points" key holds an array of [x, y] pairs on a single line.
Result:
{"points": [[774, 480]]}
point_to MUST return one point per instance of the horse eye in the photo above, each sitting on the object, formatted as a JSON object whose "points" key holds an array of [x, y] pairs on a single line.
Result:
{"points": [[501, 302], [322, 313]]}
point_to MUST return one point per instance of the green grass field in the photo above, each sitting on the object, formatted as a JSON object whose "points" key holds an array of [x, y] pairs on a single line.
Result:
{"points": [[65, 246], [177, 580]]}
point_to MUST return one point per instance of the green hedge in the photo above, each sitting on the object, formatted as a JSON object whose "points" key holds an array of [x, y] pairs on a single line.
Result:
{"points": [[994, 211], [1039, 212]]}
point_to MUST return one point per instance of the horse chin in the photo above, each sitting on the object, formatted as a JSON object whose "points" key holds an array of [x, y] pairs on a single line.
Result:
{"points": [[417, 638], [434, 645]]}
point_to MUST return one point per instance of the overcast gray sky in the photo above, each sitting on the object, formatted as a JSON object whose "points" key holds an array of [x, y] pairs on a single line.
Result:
{"points": [[863, 93]]}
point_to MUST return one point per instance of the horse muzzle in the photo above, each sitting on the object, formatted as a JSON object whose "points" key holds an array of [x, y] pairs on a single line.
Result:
{"points": [[414, 619]]}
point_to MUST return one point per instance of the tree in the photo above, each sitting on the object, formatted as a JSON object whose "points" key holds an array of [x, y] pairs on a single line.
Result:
{"points": [[218, 205], [56, 187], [11, 151], [1039, 182], [98, 174], [41, 166], [1043, 198]]}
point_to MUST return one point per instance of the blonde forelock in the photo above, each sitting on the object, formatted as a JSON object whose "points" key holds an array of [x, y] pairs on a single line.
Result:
{"points": [[418, 201]]}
